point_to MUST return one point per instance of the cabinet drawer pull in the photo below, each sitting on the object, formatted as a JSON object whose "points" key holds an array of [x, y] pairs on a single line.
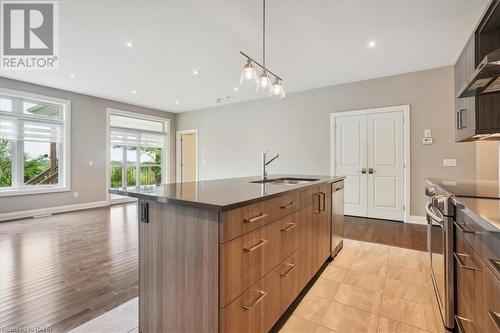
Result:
{"points": [[292, 203], [458, 257], [289, 227], [495, 263], [292, 267], [322, 195], [317, 211], [255, 218], [460, 326], [495, 317], [256, 246], [463, 228], [262, 294]]}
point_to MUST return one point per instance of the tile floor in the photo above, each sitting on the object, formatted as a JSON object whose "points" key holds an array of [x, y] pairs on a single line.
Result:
{"points": [[367, 288], [370, 288]]}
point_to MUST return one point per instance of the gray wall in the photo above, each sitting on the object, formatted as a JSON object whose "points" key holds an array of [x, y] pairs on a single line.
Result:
{"points": [[88, 143], [232, 137]]}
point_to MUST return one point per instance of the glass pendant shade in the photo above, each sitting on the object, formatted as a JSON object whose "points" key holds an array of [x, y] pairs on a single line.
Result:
{"points": [[264, 84], [277, 91], [248, 76]]}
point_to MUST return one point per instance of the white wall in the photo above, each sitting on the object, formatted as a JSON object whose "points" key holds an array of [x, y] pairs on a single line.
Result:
{"points": [[231, 137], [88, 143]]}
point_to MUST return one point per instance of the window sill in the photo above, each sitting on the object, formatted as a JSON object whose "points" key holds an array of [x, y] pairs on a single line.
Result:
{"points": [[29, 191]]}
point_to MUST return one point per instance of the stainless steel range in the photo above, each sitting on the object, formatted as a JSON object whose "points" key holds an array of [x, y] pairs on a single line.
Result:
{"points": [[440, 213]]}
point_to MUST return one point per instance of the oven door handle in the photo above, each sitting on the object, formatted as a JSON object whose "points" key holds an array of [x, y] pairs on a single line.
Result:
{"points": [[430, 213]]}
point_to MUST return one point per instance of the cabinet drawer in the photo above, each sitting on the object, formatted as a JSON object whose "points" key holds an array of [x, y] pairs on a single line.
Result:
{"points": [[256, 310], [290, 229], [290, 280], [478, 304], [484, 242], [239, 221], [285, 205], [244, 260]]}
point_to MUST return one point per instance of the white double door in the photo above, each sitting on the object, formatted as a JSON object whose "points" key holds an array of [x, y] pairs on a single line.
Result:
{"points": [[369, 152]]}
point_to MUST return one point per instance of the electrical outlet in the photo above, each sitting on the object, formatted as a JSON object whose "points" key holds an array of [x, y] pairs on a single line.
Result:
{"points": [[75, 194], [91, 163], [450, 162]]}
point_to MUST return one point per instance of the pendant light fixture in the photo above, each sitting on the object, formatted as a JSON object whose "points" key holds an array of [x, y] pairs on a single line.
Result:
{"points": [[265, 80]]}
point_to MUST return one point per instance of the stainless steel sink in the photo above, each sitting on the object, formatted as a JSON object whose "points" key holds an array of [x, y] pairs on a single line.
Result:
{"points": [[285, 181]]}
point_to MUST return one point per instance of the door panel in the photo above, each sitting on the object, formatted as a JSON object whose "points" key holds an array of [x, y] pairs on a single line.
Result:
{"points": [[188, 157], [350, 160], [386, 165]]}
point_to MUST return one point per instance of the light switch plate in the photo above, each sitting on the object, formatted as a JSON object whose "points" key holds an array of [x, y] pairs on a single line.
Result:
{"points": [[427, 133], [450, 162]]}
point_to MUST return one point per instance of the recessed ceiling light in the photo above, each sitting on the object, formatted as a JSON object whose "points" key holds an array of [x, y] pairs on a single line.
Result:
{"points": [[196, 72], [71, 75], [134, 91], [130, 44], [372, 43], [235, 89], [177, 102]]}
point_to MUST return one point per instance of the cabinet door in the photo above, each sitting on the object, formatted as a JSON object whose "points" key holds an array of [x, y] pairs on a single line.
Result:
{"points": [[308, 198], [323, 225], [337, 215], [465, 108]]}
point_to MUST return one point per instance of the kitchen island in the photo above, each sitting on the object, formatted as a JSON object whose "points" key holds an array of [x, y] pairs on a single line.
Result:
{"points": [[231, 255]]}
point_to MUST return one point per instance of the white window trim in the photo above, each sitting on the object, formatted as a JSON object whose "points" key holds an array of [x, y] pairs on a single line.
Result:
{"points": [[166, 163], [65, 162]]}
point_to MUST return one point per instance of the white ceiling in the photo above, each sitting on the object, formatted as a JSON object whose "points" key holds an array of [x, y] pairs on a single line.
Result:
{"points": [[310, 44]]}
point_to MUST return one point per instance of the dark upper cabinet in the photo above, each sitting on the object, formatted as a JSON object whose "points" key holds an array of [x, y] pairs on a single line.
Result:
{"points": [[478, 117]]}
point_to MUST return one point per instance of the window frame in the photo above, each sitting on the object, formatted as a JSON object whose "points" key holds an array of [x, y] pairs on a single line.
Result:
{"points": [[166, 162], [18, 149]]}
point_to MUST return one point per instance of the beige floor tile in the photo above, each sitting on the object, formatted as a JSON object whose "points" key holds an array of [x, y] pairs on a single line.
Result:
{"points": [[386, 325], [377, 257], [298, 325], [406, 275], [345, 258], [410, 263], [418, 315], [346, 319], [322, 329], [351, 244], [403, 328], [335, 273], [391, 307], [369, 266], [410, 292], [312, 308], [325, 288], [364, 280], [375, 247], [359, 298]]}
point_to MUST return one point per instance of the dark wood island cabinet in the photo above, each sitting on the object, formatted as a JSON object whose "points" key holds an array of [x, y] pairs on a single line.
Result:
{"points": [[229, 255]]}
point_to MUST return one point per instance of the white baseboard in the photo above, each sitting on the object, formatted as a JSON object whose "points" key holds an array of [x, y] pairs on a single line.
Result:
{"points": [[51, 210], [415, 219]]}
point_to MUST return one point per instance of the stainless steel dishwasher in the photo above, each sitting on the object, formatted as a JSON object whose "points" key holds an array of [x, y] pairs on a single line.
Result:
{"points": [[337, 218]]}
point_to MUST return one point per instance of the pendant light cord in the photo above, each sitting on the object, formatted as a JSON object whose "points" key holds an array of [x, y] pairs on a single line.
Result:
{"points": [[264, 32]]}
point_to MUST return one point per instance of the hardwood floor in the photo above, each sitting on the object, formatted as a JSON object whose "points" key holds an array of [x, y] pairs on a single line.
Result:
{"points": [[394, 233], [60, 271]]}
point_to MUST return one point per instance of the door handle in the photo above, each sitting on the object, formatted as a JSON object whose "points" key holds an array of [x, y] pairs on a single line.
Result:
{"points": [[144, 212], [370, 171], [363, 171]]}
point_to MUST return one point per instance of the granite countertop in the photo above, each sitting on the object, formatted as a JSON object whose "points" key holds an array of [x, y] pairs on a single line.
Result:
{"points": [[480, 199], [220, 194]]}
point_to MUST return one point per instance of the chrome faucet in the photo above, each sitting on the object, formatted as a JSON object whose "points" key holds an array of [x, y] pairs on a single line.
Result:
{"points": [[266, 163]]}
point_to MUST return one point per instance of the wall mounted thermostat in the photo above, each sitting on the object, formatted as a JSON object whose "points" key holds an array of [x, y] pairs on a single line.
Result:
{"points": [[427, 137]]}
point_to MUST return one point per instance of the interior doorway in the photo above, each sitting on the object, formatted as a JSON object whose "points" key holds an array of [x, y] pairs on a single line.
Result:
{"points": [[187, 156], [371, 149]]}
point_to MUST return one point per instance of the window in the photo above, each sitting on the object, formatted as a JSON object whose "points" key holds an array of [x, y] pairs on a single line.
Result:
{"points": [[34, 143], [138, 147]]}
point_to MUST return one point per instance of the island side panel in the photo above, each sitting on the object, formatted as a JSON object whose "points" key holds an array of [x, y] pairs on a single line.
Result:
{"points": [[178, 270]]}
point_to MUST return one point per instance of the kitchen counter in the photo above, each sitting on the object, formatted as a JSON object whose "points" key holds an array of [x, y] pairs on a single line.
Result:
{"points": [[220, 194], [480, 200]]}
